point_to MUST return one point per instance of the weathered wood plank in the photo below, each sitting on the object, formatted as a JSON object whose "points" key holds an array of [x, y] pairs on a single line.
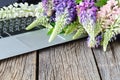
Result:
{"points": [[109, 62], [19, 68], [70, 61]]}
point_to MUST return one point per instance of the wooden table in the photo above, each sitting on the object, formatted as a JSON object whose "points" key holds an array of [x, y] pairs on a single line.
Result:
{"points": [[70, 61]]}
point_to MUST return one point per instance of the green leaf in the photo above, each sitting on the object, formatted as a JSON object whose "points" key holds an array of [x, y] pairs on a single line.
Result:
{"points": [[58, 27], [50, 31], [33, 24], [52, 23], [100, 3], [56, 31], [72, 27], [79, 32], [40, 21], [78, 1], [63, 30]]}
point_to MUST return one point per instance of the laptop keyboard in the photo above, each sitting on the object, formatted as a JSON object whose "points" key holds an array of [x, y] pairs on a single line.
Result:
{"points": [[15, 26]]}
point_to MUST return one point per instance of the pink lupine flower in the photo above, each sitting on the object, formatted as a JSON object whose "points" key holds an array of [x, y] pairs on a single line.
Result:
{"points": [[109, 13]]}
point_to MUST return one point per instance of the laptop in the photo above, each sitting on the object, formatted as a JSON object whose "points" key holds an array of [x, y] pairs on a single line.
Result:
{"points": [[15, 40]]}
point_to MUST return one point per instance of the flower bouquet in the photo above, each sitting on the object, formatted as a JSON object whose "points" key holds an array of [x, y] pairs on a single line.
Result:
{"points": [[99, 20]]}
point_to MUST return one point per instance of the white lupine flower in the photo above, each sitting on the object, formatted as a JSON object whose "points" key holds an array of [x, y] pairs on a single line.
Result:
{"points": [[5, 8], [15, 4], [26, 4], [21, 10], [10, 6]]}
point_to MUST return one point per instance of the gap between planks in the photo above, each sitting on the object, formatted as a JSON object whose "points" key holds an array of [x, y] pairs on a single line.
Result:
{"points": [[109, 61]]}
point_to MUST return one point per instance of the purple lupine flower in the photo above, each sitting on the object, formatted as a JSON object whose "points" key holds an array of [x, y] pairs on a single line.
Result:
{"points": [[68, 7], [56, 2], [98, 40], [87, 12], [65, 14]]}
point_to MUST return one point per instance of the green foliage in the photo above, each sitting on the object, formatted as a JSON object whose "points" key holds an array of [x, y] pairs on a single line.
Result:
{"points": [[58, 27], [63, 30], [56, 31], [52, 23], [75, 27], [50, 31], [72, 27], [78, 1], [43, 20], [81, 31], [100, 3]]}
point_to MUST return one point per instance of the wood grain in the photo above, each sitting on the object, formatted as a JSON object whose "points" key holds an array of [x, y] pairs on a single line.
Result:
{"points": [[70, 61], [19, 68], [109, 62]]}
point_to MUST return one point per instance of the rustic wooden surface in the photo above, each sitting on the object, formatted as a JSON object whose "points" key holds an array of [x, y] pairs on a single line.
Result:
{"points": [[19, 68], [70, 61], [109, 62]]}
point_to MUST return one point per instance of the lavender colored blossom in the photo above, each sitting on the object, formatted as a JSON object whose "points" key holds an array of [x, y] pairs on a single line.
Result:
{"points": [[98, 40], [68, 7], [65, 14], [87, 12], [60, 6], [56, 2]]}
